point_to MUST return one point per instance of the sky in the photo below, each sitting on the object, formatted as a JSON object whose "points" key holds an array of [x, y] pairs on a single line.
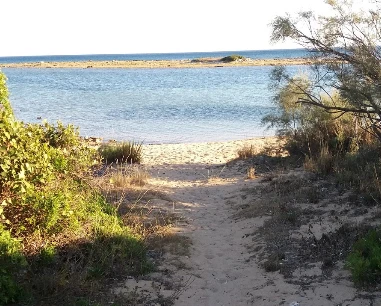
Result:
{"points": [[57, 27]]}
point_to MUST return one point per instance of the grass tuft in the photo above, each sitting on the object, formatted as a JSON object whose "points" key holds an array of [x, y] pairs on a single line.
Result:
{"points": [[251, 173], [247, 152], [127, 175], [125, 152]]}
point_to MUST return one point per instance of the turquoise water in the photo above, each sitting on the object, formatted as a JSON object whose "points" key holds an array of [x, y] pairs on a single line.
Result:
{"points": [[150, 105]]}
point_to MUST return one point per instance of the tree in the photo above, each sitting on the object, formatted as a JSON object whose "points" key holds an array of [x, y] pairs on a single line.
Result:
{"points": [[345, 46]]}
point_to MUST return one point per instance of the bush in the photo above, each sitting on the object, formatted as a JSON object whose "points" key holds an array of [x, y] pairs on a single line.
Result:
{"points": [[55, 228], [341, 145], [247, 152], [125, 152], [11, 260], [323, 137], [232, 58], [361, 170], [365, 260]]}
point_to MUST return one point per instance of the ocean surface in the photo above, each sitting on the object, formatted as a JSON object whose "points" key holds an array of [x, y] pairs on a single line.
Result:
{"points": [[149, 105], [255, 54]]}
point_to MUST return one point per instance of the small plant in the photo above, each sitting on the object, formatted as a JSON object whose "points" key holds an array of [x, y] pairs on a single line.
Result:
{"points": [[11, 260], [251, 173], [364, 261], [127, 175], [125, 152], [274, 262], [232, 58], [322, 163], [246, 152]]}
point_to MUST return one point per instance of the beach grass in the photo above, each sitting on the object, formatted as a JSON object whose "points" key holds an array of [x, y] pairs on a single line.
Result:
{"points": [[124, 152]]}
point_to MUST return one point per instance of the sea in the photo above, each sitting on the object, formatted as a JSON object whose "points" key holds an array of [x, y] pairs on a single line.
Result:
{"points": [[160, 105]]}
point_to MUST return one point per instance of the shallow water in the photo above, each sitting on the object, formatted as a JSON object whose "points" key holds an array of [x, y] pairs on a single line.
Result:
{"points": [[150, 105], [254, 54]]}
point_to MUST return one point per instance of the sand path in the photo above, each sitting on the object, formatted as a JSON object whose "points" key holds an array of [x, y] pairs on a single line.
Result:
{"points": [[204, 192], [222, 268]]}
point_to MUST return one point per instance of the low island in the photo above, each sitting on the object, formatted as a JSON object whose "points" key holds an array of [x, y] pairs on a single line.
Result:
{"points": [[189, 63]]}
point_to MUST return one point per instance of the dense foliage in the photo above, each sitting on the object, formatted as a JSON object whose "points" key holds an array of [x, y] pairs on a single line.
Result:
{"points": [[333, 116], [345, 45], [364, 261], [232, 58], [55, 228]]}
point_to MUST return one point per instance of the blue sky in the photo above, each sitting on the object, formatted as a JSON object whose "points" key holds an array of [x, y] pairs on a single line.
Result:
{"points": [[46, 27]]}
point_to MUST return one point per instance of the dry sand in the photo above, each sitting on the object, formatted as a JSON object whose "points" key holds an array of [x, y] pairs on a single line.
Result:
{"points": [[202, 63], [219, 269]]}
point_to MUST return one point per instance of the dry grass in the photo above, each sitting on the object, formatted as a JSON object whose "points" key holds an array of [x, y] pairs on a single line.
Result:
{"points": [[322, 164], [247, 152], [127, 175], [120, 176], [122, 185], [251, 173], [149, 214]]}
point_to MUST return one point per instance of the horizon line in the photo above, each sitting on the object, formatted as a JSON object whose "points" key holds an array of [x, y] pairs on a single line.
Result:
{"points": [[148, 53]]}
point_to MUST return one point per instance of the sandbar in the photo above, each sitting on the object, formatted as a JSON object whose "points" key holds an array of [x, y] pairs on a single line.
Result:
{"points": [[194, 63]]}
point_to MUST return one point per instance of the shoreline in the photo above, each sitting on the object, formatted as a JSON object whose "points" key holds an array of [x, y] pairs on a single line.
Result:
{"points": [[211, 153], [97, 141], [137, 64]]}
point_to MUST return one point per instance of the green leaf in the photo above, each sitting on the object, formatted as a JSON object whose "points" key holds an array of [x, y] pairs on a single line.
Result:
{"points": [[22, 174]]}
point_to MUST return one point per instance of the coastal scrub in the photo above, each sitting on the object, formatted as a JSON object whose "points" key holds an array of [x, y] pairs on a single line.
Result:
{"points": [[232, 58], [57, 232]]}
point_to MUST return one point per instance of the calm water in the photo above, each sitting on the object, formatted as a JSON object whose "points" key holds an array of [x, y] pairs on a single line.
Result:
{"points": [[150, 105], [255, 54]]}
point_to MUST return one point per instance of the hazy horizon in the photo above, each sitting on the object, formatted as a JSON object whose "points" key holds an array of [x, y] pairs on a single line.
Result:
{"points": [[35, 28], [148, 53]]}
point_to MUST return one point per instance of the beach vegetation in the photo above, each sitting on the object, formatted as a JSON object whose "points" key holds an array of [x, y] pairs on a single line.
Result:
{"points": [[346, 44], [121, 176], [247, 151], [332, 116], [125, 152], [364, 261], [198, 60], [232, 58], [59, 237]]}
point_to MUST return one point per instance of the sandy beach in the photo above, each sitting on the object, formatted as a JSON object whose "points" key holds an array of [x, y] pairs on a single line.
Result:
{"points": [[228, 218], [199, 63]]}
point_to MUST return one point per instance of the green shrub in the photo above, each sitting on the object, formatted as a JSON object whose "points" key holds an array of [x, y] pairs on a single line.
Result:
{"points": [[334, 143], [125, 152], [365, 259], [232, 58], [55, 227], [323, 138], [61, 136], [11, 261]]}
